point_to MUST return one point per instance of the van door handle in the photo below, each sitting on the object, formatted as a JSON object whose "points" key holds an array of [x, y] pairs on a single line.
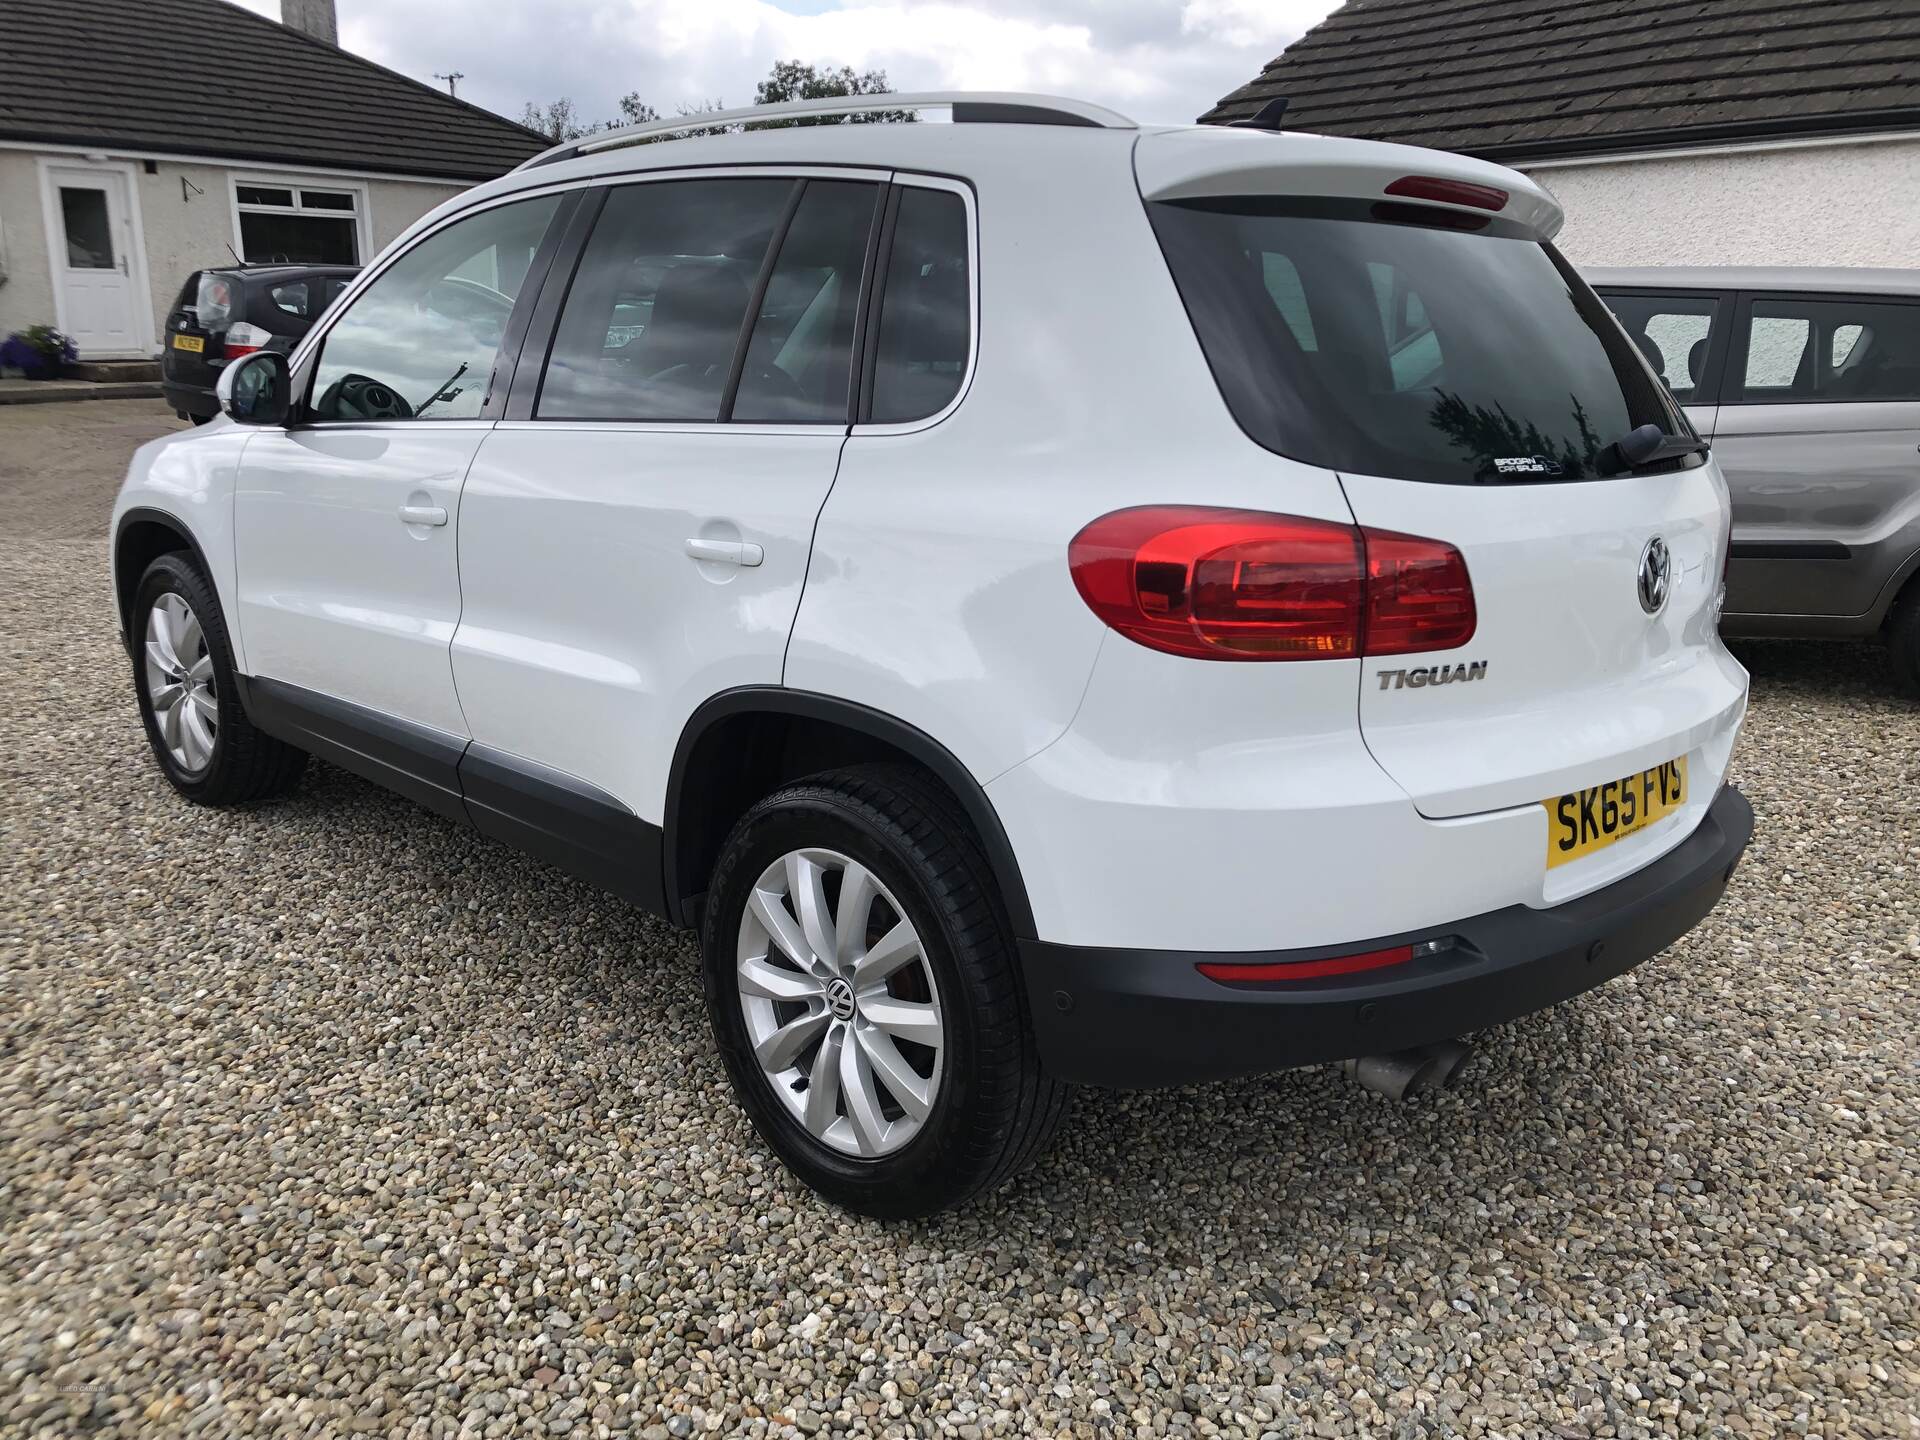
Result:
{"points": [[726, 552], [422, 515]]}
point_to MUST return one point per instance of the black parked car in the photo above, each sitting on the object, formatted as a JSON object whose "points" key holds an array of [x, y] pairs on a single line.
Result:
{"points": [[224, 314]]}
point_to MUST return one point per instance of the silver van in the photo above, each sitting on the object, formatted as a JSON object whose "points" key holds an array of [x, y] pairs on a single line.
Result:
{"points": [[1807, 381]]}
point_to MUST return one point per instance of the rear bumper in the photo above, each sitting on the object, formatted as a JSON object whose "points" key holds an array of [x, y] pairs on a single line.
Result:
{"points": [[190, 399], [1139, 1018]]}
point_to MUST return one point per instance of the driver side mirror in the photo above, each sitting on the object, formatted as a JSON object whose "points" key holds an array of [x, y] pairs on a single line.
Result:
{"points": [[253, 390]]}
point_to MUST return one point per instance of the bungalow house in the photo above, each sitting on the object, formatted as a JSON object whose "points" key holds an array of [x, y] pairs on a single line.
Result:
{"points": [[143, 139], [1674, 132]]}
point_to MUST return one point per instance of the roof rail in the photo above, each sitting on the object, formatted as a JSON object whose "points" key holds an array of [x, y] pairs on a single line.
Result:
{"points": [[970, 107]]}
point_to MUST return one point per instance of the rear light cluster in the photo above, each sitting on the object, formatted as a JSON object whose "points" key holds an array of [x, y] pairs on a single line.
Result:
{"points": [[244, 339], [1219, 584]]}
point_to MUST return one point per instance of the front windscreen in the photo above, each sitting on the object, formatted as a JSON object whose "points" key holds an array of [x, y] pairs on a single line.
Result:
{"points": [[1406, 341]]}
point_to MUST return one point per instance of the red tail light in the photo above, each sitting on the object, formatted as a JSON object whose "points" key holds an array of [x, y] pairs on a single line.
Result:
{"points": [[1449, 192], [244, 339], [1219, 584]]}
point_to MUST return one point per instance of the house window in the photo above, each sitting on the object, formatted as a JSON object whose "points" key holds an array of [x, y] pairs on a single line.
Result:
{"points": [[298, 224]]}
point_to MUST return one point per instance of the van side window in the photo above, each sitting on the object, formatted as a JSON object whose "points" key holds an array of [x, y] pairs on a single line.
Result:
{"points": [[653, 317], [1832, 350], [926, 321], [800, 358], [1673, 332], [419, 342]]}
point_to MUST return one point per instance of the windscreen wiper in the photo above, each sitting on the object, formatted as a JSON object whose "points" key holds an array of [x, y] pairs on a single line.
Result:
{"points": [[1647, 445]]}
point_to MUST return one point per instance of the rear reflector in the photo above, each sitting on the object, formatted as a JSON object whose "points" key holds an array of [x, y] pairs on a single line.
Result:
{"points": [[1307, 969], [1216, 584], [1449, 192]]}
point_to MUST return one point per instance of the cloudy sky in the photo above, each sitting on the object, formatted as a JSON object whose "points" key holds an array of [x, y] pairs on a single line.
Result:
{"points": [[1157, 60]]}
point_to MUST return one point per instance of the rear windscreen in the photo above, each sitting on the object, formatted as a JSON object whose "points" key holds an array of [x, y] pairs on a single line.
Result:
{"points": [[1347, 338]]}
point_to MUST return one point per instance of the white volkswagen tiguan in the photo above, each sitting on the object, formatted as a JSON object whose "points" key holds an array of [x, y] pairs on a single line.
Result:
{"points": [[1051, 601]]}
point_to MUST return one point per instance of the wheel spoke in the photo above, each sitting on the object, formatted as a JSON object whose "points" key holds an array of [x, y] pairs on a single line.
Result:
{"points": [[774, 918], [166, 696], [780, 1049], [160, 651], [776, 982], [903, 1019], [891, 951], [823, 1086], [201, 671], [204, 705], [189, 644], [905, 1083], [170, 720], [857, 890], [806, 883], [861, 1100], [196, 736]]}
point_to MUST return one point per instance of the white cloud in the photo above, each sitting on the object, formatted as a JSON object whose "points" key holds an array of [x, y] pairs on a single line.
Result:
{"points": [[1159, 60]]}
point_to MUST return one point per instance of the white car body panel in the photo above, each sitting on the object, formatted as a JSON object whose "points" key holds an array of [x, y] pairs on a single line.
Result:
{"points": [[337, 593], [589, 634]]}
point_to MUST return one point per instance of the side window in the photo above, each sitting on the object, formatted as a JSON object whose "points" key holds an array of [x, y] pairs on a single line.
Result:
{"points": [[1832, 350], [1673, 332], [1414, 359], [801, 354], [926, 323], [653, 317], [1289, 296], [419, 342]]}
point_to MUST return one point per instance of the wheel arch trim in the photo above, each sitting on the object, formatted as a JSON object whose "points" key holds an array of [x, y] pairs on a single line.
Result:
{"points": [[123, 585], [916, 744]]}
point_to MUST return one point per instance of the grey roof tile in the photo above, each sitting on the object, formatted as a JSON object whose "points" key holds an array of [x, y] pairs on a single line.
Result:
{"points": [[1518, 79], [204, 77]]}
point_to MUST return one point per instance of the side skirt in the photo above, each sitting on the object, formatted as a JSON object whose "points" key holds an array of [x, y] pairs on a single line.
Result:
{"points": [[539, 810]]}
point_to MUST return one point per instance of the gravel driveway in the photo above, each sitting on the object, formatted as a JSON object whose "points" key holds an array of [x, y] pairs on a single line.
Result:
{"points": [[327, 1118]]}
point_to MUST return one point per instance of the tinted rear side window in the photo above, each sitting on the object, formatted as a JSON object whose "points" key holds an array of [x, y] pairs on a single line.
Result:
{"points": [[800, 358], [1362, 343], [926, 320], [653, 317], [1830, 350]]}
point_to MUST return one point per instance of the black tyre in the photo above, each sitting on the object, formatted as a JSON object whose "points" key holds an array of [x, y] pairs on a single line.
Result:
{"points": [[1903, 640], [891, 1067], [183, 674]]}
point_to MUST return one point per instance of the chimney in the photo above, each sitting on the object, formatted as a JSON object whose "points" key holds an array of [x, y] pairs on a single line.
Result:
{"points": [[311, 17]]}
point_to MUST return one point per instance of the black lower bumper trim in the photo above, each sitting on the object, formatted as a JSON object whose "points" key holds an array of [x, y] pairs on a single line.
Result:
{"points": [[1140, 1018]]}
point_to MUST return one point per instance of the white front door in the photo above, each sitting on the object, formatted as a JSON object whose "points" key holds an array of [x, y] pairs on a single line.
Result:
{"points": [[93, 260]]}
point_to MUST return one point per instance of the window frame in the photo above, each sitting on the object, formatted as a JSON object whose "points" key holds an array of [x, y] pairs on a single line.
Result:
{"points": [[360, 215], [870, 315], [545, 323], [303, 363], [1721, 328], [1735, 393]]}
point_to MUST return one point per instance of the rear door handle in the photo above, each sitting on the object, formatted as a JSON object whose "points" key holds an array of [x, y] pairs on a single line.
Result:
{"points": [[726, 552], [422, 515]]}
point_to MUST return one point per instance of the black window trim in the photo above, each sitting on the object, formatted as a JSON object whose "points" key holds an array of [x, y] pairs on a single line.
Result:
{"points": [[537, 346], [1712, 386], [1734, 393], [305, 360]]}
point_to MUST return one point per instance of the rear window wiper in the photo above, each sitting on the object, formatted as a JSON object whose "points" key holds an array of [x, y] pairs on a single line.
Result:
{"points": [[1647, 445]]}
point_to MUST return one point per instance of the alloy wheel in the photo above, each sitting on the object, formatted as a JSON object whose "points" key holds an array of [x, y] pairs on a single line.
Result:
{"points": [[841, 1006], [180, 684]]}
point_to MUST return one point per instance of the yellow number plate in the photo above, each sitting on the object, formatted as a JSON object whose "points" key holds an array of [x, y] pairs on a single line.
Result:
{"points": [[1590, 820], [189, 342]]}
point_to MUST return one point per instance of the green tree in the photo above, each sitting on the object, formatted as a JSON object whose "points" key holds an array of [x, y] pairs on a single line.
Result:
{"points": [[559, 121], [794, 80]]}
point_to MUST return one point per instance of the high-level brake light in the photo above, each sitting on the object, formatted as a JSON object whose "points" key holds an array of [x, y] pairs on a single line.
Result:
{"points": [[1448, 192]]}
